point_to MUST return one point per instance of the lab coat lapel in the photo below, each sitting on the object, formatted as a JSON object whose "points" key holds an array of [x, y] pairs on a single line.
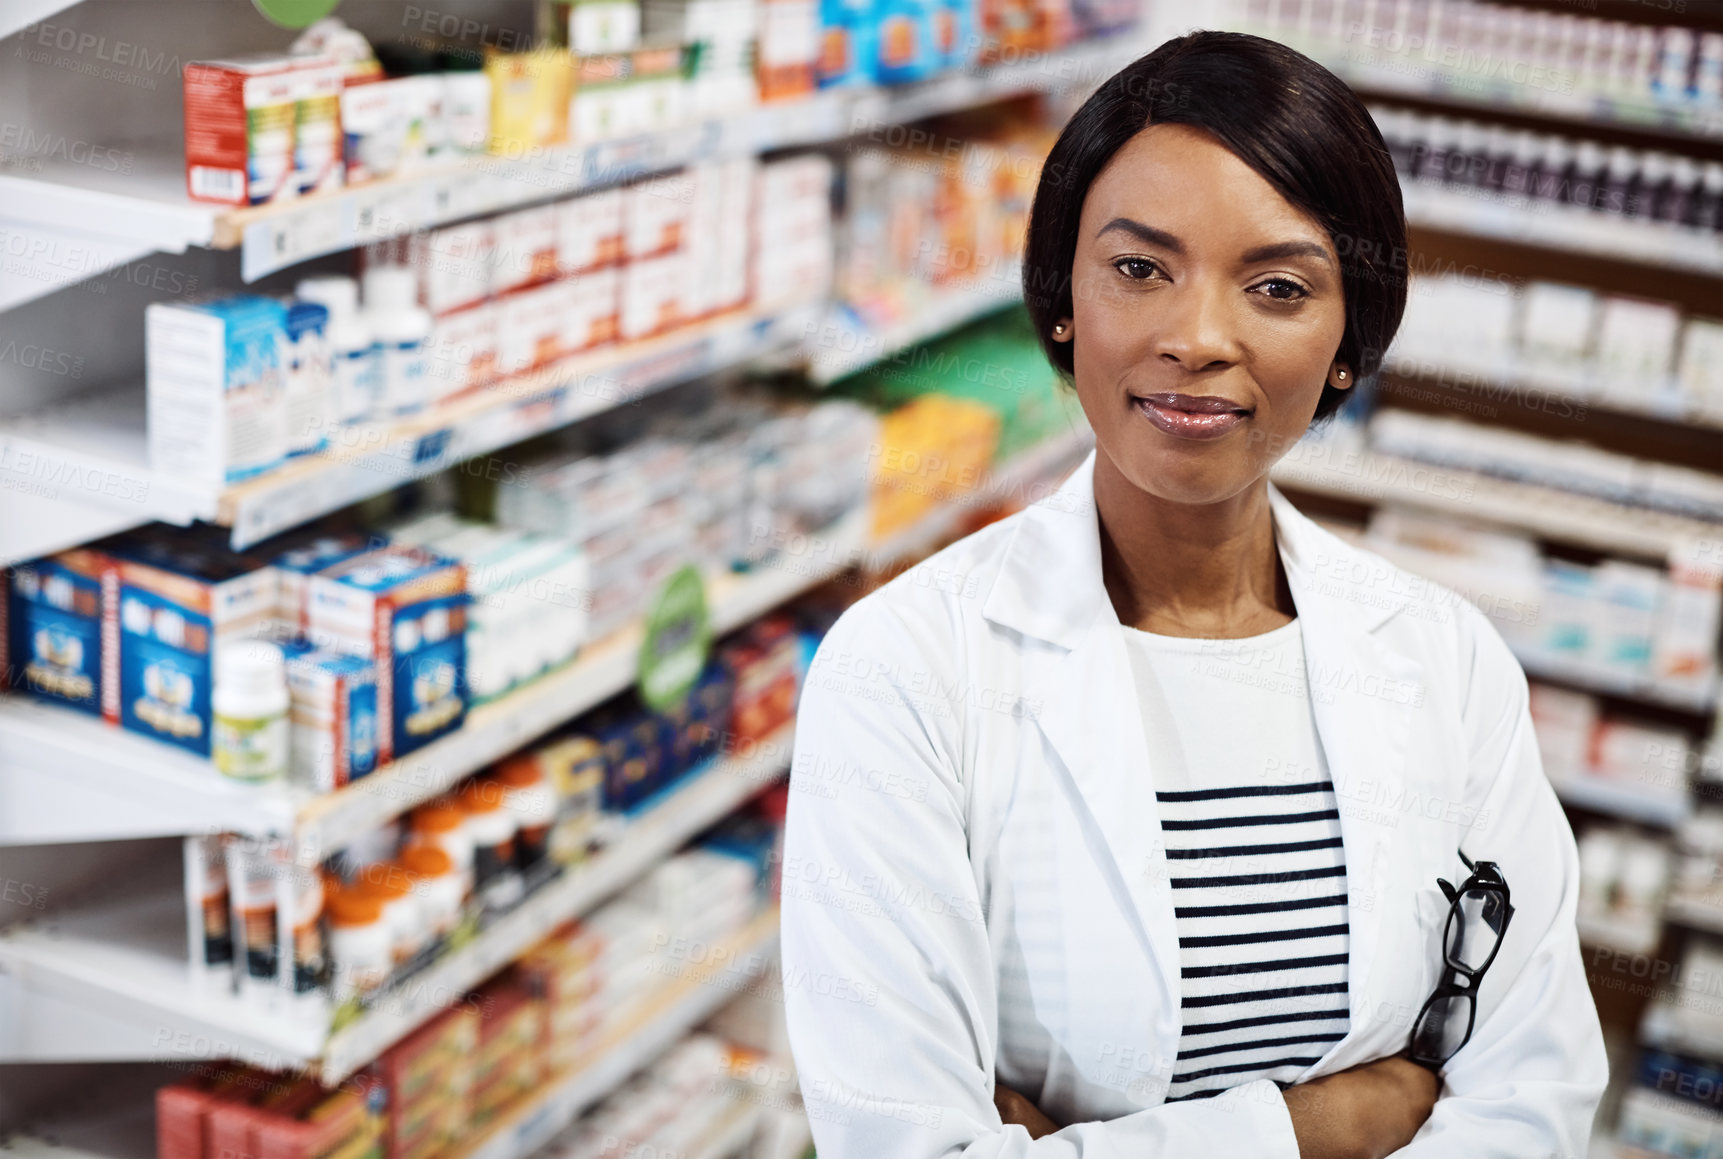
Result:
{"points": [[1086, 706], [1364, 694]]}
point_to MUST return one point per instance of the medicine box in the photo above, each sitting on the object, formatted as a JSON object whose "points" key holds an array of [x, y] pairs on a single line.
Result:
{"points": [[589, 231], [215, 371], [454, 265], [405, 609], [51, 637], [179, 598], [296, 565], [463, 350], [593, 301], [332, 715], [525, 248], [262, 128]]}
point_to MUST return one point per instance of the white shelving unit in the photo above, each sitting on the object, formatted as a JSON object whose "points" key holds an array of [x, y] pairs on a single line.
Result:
{"points": [[1369, 476], [1686, 697], [121, 963], [103, 438], [147, 209], [1409, 75], [125, 1128], [125, 785], [1697, 911], [1565, 227], [1632, 802], [680, 1006]]}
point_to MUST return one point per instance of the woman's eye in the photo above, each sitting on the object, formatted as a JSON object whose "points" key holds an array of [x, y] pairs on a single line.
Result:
{"points": [[1282, 289], [1137, 269]]}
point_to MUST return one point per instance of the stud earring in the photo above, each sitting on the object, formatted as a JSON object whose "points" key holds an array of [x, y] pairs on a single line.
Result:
{"points": [[1059, 329], [1341, 374]]}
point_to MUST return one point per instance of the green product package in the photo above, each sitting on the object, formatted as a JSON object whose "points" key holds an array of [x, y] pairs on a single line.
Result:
{"points": [[995, 362]]}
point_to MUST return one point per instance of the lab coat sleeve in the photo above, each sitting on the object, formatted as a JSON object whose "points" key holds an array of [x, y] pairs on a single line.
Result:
{"points": [[889, 982], [1528, 1083]]}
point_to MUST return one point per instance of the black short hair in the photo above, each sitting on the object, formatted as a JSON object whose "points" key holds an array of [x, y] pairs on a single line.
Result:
{"points": [[1278, 111]]}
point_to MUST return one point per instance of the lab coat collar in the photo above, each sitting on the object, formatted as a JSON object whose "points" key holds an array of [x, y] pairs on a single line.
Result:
{"points": [[1050, 589], [1050, 584]]}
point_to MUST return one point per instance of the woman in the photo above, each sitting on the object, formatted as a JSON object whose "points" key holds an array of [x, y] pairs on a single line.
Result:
{"points": [[1118, 826]]}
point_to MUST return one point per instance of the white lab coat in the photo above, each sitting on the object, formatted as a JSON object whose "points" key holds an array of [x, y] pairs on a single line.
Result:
{"points": [[974, 882]]}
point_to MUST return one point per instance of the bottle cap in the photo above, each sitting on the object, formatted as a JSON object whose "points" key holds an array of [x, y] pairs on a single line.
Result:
{"points": [[437, 817], [391, 288], [427, 861], [482, 797], [251, 667], [338, 294], [348, 908], [386, 881]]}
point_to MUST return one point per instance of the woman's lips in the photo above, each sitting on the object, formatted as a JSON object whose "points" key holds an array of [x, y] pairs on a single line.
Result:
{"points": [[1190, 416]]}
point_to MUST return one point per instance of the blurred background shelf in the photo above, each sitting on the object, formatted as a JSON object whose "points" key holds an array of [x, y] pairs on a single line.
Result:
{"points": [[122, 962]]}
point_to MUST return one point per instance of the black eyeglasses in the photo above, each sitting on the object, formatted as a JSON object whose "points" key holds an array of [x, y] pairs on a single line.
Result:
{"points": [[1478, 916]]}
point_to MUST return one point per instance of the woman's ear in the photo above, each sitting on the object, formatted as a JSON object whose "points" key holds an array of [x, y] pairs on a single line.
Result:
{"points": [[1340, 376], [1062, 330]]}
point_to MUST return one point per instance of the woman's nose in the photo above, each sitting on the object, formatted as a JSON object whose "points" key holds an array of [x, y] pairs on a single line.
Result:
{"points": [[1196, 329]]}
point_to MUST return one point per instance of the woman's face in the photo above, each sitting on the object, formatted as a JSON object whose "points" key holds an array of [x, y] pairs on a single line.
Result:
{"points": [[1207, 314]]}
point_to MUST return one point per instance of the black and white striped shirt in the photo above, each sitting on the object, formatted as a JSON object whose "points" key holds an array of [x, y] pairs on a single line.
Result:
{"points": [[1252, 836]]}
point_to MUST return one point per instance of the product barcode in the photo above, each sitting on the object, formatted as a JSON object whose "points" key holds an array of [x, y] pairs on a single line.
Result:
{"points": [[220, 184]]}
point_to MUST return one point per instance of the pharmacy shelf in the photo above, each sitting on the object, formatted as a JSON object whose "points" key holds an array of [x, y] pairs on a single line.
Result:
{"points": [[1383, 75], [844, 343], [1483, 214], [1701, 700], [1686, 1025], [94, 451], [66, 776], [1481, 389], [655, 833], [148, 205], [1623, 937], [111, 980], [1697, 911], [678, 1008], [122, 1126], [1601, 794], [1344, 472]]}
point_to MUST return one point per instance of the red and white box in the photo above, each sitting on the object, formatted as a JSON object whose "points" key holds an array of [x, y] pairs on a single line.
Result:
{"points": [[262, 128], [463, 352], [652, 295], [595, 302], [589, 231], [529, 327], [656, 214], [525, 248], [454, 265]]}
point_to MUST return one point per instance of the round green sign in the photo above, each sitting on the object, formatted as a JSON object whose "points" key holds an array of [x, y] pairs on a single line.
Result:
{"points": [[678, 638], [295, 13]]}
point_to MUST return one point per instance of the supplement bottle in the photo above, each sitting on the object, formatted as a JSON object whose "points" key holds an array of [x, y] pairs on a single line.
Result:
{"points": [[442, 825], [392, 886], [438, 887], [529, 796], [402, 329], [249, 740], [359, 943], [496, 876], [355, 361]]}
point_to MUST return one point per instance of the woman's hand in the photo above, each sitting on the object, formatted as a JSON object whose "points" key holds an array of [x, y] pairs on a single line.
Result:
{"points": [[1367, 1112], [1014, 1108]]}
